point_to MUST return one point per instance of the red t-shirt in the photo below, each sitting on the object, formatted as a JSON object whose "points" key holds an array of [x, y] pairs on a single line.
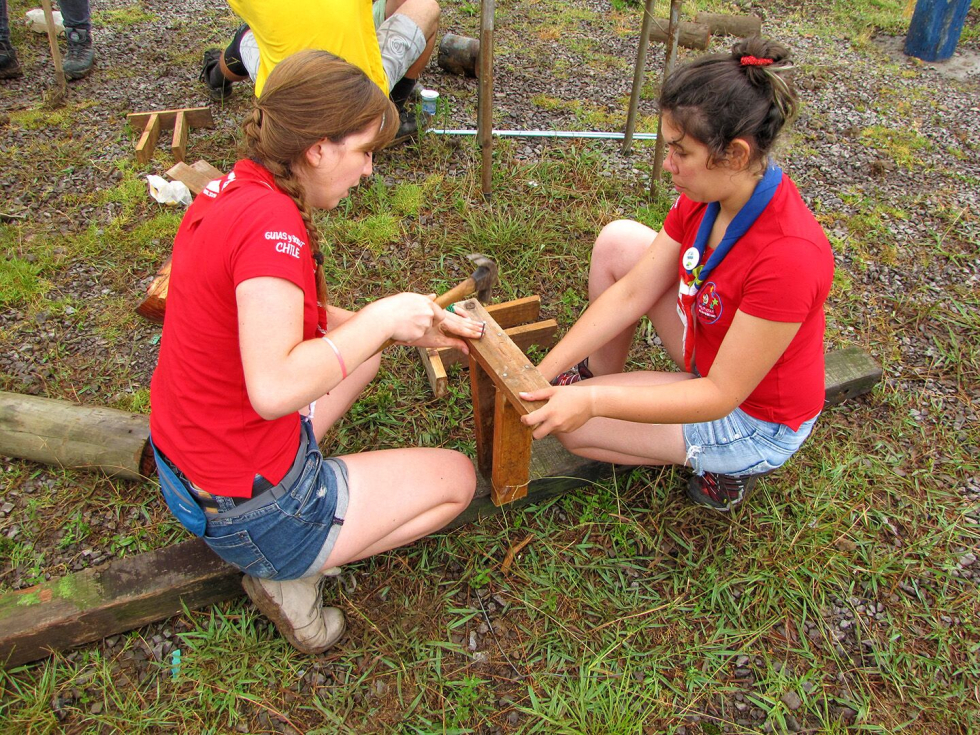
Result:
{"points": [[240, 227], [780, 270]]}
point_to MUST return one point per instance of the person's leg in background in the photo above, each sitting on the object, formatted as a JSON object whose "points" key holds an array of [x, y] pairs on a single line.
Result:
{"points": [[221, 68], [78, 31], [9, 65]]}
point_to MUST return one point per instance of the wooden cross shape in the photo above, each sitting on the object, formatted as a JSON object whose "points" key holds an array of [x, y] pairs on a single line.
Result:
{"points": [[499, 371], [181, 121]]}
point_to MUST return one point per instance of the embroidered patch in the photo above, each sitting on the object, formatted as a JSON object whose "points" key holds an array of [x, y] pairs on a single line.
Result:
{"points": [[708, 304]]}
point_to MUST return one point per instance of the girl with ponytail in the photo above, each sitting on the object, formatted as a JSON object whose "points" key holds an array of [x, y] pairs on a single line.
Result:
{"points": [[744, 265], [255, 365]]}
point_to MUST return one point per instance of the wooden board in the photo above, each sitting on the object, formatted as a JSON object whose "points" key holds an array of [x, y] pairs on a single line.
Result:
{"points": [[196, 176], [541, 334], [503, 360], [148, 139], [125, 594], [178, 146], [848, 373], [197, 117]]}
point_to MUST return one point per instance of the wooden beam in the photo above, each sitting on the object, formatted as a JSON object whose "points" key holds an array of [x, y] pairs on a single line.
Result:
{"points": [[178, 146], [503, 360], [511, 470], [125, 594], [484, 400], [197, 117], [435, 370], [848, 373], [148, 140], [542, 334]]}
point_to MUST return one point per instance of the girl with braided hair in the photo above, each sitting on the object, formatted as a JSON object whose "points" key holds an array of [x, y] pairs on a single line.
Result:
{"points": [[743, 263], [255, 366]]}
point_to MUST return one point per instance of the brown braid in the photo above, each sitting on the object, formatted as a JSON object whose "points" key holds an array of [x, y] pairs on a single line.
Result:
{"points": [[309, 97]]}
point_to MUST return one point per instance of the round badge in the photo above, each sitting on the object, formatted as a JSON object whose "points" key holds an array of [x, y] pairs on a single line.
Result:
{"points": [[691, 258]]}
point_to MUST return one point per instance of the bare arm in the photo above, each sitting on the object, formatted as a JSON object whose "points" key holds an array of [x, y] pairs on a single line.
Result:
{"points": [[618, 307], [284, 372], [748, 352]]}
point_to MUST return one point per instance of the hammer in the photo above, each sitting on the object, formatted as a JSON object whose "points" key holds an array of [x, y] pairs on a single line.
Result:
{"points": [[482, 281]]}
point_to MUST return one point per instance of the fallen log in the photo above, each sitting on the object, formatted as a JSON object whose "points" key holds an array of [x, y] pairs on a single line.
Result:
{"points": [[133, 591], [722, 24], [692, 35]]}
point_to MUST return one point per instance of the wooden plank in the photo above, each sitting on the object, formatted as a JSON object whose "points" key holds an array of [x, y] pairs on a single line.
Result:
{"points": [[848, 373], [510, 473], [503, 360], [191, 177], [197, 117], [542, 334], [517, 311], [484, 399], [434, 370], [178, 146], [203, 167], [148, 140], [129, 592]]}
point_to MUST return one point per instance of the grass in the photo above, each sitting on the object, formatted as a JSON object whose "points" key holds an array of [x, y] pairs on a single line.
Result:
{"points": [[836, 601]]}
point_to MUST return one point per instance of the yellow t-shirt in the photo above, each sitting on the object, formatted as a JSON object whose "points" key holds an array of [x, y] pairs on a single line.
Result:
{"points": [[342, 27]]}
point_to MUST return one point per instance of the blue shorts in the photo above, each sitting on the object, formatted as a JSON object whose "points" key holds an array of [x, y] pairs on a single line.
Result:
{"points": [[288, 531], [739, 444]]}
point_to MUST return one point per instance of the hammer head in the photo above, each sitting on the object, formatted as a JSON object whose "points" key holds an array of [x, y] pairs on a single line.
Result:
{"points": [[485, 276]]}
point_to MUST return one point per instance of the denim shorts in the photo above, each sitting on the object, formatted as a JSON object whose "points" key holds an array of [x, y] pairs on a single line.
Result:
{"points": [[288, 531], [739, 444]]}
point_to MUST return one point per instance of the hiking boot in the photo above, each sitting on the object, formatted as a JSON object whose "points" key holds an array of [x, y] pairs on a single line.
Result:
{"points": [[9, 65], [408, 127], [576, 374], [219, 86], [721, 492], [79, 58], [296, 608]]}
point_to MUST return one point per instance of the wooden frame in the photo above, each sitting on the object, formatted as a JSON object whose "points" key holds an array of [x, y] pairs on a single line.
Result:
{"points": [[180, 121]]}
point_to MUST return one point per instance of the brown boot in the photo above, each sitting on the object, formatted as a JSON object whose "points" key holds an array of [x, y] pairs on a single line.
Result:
{"points": [[296, 608]]}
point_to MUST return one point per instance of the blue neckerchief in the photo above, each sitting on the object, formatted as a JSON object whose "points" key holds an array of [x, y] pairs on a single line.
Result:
{"points": [[739, 225]]}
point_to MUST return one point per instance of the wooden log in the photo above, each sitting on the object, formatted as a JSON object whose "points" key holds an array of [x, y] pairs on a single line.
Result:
{"points": [[148, 139], [692, 35], [723, 24], [178, 146], [511, 470], [196, 117], [459, 55], [125, 594], [68, 435]]}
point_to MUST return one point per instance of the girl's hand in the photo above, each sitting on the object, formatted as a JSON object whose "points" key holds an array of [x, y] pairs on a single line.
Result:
{"points": [[567, 409], [449, 323]]}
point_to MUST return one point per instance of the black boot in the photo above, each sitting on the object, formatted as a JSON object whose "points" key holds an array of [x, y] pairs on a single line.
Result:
{"points": [[219, 86], [78, 60], [9, 65]]}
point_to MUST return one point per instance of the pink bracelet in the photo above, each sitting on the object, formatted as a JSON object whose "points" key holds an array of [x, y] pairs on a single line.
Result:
{"points": [[340, 358]]}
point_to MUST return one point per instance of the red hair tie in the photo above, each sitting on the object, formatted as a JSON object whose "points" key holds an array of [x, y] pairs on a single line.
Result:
{"points": [[754, 61]]}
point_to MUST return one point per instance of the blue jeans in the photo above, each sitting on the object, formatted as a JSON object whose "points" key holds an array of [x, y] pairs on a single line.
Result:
{"points": [[286, 532], [75, 13], [739, 444]]}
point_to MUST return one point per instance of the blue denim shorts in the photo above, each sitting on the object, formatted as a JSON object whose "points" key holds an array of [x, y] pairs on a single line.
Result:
{"points": [[739, 444], [288, 531]]}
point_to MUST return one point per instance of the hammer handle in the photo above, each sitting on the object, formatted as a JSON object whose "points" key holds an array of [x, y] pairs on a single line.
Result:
{"points": [[456, 293]]}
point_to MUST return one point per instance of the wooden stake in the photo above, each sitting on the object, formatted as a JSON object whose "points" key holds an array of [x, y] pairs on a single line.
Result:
{"points": [[485, 111], [178, 148], [59, 69], [511, 469], [148, 140]]}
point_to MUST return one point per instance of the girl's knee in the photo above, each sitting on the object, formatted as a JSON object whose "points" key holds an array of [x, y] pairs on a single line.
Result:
{"points": [[620, 244]]}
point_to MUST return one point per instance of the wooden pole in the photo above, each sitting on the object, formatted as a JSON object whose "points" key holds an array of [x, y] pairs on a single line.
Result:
{"points": [[658, 155], [485, 113], [59, 69], [641, 60]]}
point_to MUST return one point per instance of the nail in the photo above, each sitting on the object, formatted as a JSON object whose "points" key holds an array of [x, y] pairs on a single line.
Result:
{"points": [[483, 329]]}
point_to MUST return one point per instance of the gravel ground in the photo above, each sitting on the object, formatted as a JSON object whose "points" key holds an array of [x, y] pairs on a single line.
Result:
{"points": [[846, 89]]}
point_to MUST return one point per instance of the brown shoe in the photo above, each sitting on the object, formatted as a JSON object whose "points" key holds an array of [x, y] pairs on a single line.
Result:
{"points": [[296, 608]]}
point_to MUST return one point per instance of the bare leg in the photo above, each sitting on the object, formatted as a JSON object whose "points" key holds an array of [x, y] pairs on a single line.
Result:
{"points": [[626, 442], [425, 13], [398, 496], [618, 248]]}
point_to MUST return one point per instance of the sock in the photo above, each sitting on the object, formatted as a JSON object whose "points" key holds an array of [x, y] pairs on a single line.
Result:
{"points": [[402, 91]]}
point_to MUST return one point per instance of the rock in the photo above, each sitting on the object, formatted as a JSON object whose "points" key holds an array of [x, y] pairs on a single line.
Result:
{"points": [[792, 700]]}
